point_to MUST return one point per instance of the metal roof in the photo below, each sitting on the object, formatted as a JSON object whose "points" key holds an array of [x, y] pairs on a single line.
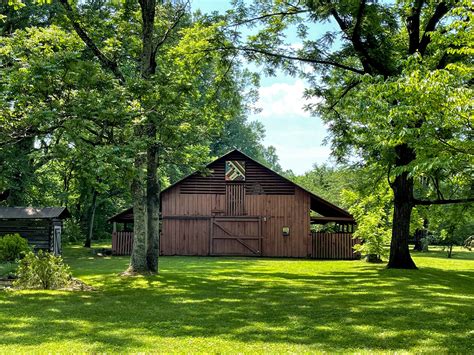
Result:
{"points": [[33, 213]]}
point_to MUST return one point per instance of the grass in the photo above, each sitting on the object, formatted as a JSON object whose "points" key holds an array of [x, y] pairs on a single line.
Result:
{"points": [[249, 305]]}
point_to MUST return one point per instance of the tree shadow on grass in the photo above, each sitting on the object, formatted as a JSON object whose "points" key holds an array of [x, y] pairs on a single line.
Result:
{"points": [[252, 301]]}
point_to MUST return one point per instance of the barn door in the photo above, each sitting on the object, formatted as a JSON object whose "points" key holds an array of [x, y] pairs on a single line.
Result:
{"points": [[236, 236]]}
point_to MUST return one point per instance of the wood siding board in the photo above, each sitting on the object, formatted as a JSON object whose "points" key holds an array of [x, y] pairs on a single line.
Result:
{"points": [[191, 207], [333, 246]]}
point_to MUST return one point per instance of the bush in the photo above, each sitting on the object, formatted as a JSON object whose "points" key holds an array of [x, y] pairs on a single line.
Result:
{"points": [[12, 247], [43, 271], [8, 270]]}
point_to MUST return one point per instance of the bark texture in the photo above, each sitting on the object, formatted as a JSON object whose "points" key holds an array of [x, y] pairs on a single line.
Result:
{"points": [[147, 200], [138, 257], [402, 187], [153, 206]]}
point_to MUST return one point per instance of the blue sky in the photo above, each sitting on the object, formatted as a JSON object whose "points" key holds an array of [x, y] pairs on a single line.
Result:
{"points": [[297, 137]]}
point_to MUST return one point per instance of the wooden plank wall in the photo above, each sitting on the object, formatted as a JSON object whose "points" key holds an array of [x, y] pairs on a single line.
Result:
{"points": [[235, 196], [337, 246], [37, 232], [280, 211], [188, 236], [258, 179], [122, 243], [185, 237]]}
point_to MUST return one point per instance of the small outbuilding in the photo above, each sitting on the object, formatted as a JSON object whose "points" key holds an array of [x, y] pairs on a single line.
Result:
{"points": [[42, 227], [241, 207]]}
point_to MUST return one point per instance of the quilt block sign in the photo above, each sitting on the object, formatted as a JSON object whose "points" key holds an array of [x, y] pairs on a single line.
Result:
{"points": [[234, 170]]}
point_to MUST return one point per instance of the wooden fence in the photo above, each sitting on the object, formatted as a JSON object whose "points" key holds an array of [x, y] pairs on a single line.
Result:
{"points": [[122, 243], [338, 246]]}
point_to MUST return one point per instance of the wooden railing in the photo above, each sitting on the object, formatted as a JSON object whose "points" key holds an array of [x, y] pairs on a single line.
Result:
{"points": [[122, 243], [338, 246]]}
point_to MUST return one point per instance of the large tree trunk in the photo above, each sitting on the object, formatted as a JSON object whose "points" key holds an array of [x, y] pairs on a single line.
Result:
{"points": [[146, 202], [153, 203], [403, 205], [138, 257]]}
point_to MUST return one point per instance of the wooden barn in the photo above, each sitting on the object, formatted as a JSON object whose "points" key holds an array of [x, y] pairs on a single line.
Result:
{"points": [[42, 227], [240, 207]]}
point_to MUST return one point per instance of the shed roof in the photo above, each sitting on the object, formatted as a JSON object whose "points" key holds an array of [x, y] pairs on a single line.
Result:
{"points": [[123, 217], [34, 213]]}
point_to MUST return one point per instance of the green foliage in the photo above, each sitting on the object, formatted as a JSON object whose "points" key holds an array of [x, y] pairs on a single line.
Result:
{"points": [[394, 86], [7, 269], [68, 128], [12, 247], [328, 182], [42, 271], [373, 213], [450, 225]]}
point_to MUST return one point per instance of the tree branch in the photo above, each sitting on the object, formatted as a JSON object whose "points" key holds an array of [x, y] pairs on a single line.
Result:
{"points": [[180, 13], [358, 24], [369, 63], [147, 60], [413, 26], [417, 202], [104, 61], [441, 10], [345, 92], [296, 11], [289, 57]]}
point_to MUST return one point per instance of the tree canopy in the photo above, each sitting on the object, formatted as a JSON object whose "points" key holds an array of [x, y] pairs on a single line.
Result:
{"points": [[396, 86]]}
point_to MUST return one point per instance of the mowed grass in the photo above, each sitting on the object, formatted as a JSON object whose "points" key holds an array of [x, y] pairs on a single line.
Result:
{"points": [[249, 305]]}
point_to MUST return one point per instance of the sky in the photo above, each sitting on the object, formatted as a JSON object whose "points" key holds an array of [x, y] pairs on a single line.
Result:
{"points": [[297, 137]]}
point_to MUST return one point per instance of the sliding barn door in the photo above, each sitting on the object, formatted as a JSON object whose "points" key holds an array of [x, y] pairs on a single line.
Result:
{"points": [[236, 236]]}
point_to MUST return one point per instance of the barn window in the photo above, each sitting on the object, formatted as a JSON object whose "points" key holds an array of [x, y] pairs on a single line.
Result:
{"points": [[235, 170]]}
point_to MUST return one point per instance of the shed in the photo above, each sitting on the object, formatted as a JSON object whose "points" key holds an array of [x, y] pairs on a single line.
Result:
{"points": [[241, 207], [42, 227]]}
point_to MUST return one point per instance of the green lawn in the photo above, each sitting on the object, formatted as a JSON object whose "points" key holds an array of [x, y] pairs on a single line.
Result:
{"points": [[249, 305]]}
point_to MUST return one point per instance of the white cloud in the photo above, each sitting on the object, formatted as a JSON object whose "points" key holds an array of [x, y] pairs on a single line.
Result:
{"points": [[283, 100], [297, 137], [301, 159]]}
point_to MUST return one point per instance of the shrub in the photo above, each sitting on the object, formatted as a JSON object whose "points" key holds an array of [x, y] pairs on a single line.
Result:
{"points": [[43, 271], [12, 247], [8, 270]]}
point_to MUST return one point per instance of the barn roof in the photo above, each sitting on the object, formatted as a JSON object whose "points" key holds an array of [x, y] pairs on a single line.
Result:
{"points": [[34, 213], [318, 204]]}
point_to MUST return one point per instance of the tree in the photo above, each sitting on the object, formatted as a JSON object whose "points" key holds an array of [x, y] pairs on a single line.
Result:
{"points": [[58, 130], [450, 225], [396, 86], [328, 181], [158, 95]]}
